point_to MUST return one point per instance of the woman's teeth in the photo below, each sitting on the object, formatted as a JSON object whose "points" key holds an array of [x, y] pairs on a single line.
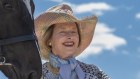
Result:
{"points": [[69, 44]]}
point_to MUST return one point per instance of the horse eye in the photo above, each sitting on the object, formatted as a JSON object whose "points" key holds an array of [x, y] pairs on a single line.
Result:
{"points": [[7, 5]]}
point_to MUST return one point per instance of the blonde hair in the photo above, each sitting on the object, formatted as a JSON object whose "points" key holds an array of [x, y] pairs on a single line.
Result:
{"points": [[45, 42]]}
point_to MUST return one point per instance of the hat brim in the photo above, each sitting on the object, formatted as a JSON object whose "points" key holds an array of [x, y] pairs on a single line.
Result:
{"points": [[86, 27]]}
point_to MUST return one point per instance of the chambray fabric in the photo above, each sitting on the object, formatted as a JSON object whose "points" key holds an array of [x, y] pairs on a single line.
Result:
{"points": [[69, 69]]}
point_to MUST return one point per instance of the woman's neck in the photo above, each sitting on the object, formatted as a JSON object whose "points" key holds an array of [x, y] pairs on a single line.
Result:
{"points": [[64, 57], [56, 61]]}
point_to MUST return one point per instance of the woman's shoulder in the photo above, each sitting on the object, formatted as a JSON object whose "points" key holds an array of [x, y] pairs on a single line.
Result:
{"points": [[92, 71]]}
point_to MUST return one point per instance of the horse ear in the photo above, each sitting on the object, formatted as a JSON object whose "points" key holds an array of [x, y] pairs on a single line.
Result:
{"points": [[32, 6]]}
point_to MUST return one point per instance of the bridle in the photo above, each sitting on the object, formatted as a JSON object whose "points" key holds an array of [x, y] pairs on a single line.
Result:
{"points": [[13, 40]]}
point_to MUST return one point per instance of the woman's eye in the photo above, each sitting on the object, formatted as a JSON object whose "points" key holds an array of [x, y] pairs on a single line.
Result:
{"points": [[68, 33], [73, 32], [62, 32]]}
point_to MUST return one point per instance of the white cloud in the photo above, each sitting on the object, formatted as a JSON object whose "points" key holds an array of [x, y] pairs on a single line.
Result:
{"points": [[93, 7], [103, 39], [96, 8], [138, 16]]}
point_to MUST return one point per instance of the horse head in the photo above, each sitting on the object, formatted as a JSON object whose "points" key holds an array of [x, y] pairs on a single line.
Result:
{"points": [[18, 46]]}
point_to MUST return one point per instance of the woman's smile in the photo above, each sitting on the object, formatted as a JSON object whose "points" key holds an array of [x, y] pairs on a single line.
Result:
{"points": [[68, 44]]}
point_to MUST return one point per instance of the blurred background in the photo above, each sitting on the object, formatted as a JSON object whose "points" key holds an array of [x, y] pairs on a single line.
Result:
{"points": [[116, 43]]}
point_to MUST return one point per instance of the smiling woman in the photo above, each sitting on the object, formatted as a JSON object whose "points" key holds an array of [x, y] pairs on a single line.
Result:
{"points": [[65, 36], [62, 37]]}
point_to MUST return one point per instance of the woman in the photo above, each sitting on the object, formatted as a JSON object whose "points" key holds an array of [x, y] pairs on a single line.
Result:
{"points": [[62, 37]]}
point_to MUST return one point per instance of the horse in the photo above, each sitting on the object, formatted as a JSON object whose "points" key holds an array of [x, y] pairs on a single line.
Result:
{"points": [[19, 51]]}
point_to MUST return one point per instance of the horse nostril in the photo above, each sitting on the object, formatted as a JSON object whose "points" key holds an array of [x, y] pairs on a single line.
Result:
{"points": [[7, 5]]}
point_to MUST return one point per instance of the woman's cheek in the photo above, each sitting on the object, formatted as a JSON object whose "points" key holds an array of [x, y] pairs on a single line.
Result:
{"points": [[76, 40]]}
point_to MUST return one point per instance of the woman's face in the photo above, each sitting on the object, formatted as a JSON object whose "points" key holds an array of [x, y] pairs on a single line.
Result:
{"points": [[65, 40]]}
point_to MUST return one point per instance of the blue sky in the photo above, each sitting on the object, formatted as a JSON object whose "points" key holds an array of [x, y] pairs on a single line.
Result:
{"points": [[116, 44]]}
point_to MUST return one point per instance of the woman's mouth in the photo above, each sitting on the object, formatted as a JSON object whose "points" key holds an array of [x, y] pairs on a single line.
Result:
{"points": [[68, 44]]}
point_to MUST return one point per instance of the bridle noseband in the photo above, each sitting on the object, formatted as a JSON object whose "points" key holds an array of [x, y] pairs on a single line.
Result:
{"points": [[12, 41]]}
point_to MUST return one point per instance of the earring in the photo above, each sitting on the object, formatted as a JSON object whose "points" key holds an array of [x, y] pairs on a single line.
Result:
{"points": [[50, 44]]}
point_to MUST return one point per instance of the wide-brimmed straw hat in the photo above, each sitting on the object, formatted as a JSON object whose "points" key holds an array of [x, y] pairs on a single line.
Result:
{"points": [[64, 14]]}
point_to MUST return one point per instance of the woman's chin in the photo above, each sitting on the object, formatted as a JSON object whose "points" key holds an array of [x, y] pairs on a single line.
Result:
{"points": [[67, 55]]}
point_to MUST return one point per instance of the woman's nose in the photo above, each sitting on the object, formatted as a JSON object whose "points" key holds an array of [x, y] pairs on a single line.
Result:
{"points": [[69, 35]]}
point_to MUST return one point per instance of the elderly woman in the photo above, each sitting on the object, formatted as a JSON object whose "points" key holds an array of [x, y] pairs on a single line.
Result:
{"points": [[61, 38]]}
